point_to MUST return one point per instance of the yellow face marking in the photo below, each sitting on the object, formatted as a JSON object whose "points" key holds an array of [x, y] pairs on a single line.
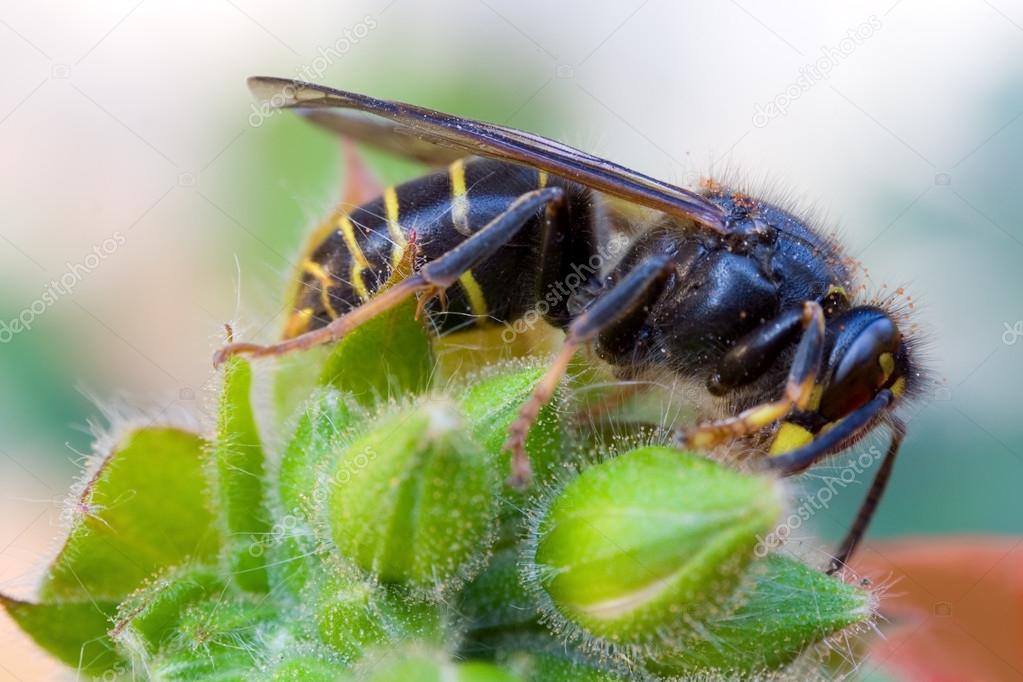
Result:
{"points": [[899, 387], [298, 322], [789, 437], [359, 262], [541, 179], [837, 289], [318, 271], [887, 363], [398, 241], [474, 293], [459, 198]]}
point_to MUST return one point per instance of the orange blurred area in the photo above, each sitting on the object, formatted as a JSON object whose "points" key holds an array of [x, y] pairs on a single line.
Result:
{"points": [[28, 533], [954, 607]]}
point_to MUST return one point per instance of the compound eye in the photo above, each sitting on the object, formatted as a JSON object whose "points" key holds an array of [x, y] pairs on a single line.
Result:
{"points": [[865, 366]]}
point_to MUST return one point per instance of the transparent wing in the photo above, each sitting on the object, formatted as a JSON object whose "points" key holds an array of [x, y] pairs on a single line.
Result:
{"points": [[434, 137]]}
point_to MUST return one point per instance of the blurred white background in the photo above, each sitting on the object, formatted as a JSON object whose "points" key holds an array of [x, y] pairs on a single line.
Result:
{"points": [[125, 133]]}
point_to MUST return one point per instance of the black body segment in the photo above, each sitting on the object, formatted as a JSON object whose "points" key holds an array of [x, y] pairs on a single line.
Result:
{"points": [[437, 212], [755, 352], [754, 282], [640, 287], [497, 233]]}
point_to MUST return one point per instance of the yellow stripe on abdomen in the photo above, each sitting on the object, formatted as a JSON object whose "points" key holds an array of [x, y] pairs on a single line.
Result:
{"points": [[318, 236], [393, 210], [459, 198], [473, 291], [298, 322], [325, 280], [359, 262]]}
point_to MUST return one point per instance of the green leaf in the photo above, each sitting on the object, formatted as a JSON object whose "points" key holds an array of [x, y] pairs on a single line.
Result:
{"points": [[74, 632], [319, 437], [222, 637], [293, 560], [208, 666], [307, 668], [387, 356], [146, 508], [787, 607], [150, 616], [496, 599], [242, 637], [433, 668], [492, 403], [547, 667], [354, 615], [415, 500], [296, 377], [646, 543], [543, 659], [241, 468], [327, 424]]}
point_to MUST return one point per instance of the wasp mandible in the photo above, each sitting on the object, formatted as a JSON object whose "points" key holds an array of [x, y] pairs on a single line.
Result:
{"points": [[722, 288]]}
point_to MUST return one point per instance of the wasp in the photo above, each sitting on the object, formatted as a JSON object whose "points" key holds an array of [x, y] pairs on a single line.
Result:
{"points": [[721, 288]]}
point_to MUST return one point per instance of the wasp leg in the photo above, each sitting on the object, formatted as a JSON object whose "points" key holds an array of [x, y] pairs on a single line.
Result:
{"points": [[753, 354], [798, 388], [630, 297], [869, 505], [835, 440], [431, 280]]}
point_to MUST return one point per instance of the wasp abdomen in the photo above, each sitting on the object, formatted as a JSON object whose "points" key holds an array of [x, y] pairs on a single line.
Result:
{"points": [[354, 253]]}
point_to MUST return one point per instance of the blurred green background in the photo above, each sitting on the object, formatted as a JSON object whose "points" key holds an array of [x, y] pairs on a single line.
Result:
{"points": [[898, 123]]}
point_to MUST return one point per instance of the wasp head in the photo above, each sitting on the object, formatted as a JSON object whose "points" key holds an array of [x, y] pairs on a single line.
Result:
{"points": [[866, 354]]}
